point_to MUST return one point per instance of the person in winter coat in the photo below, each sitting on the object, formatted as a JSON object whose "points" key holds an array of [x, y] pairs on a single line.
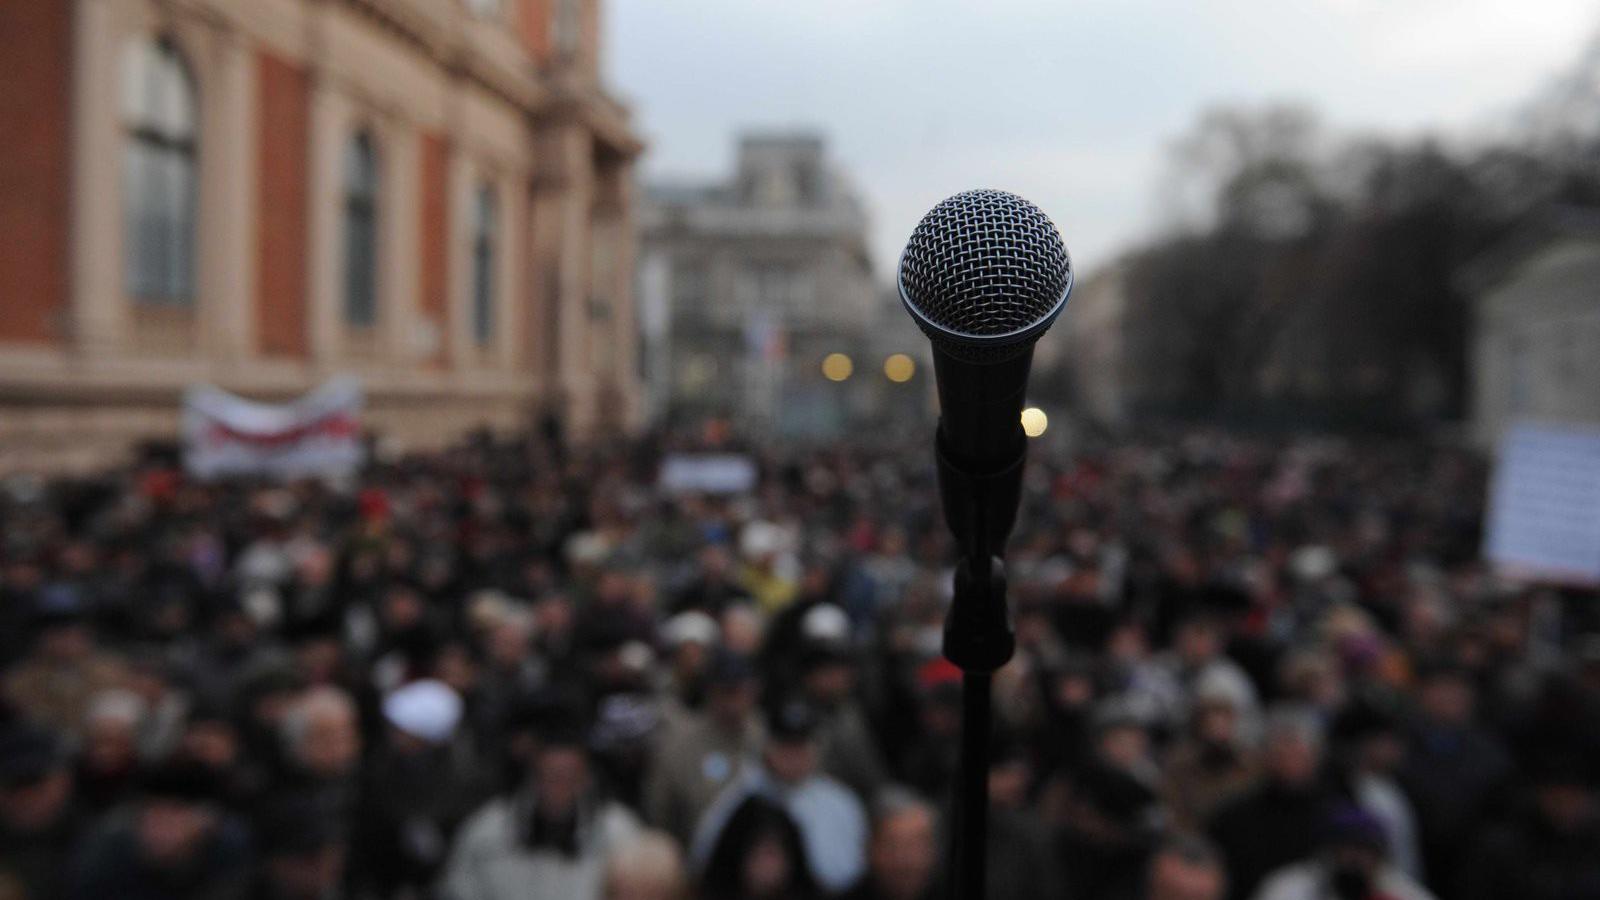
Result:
{"points": [[831, 820], [550, 840], [1277, 823], [173, 843], [695, 761]]}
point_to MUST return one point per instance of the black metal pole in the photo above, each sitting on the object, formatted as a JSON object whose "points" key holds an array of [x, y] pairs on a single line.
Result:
{"points": [[972, 800], [978, 639], [980, 507]]}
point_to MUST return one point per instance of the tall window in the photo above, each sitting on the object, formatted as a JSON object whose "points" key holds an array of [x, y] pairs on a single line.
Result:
{"points": [[485, 227], [361, 232], [159, 177]]}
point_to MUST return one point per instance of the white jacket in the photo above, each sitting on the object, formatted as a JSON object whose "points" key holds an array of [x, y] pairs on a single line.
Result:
{"points": [[491, 862]]}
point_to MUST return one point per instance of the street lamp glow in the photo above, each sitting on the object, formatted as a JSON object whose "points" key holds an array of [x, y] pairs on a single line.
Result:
{"points": [[1034, 421], [899, 368], [837, 367]]}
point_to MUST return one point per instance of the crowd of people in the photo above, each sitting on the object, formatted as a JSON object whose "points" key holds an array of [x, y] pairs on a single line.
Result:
{"points": [[518, 670]]}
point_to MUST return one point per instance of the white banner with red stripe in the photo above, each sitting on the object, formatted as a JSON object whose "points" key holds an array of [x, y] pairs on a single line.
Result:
{"points": [[317, 435]]}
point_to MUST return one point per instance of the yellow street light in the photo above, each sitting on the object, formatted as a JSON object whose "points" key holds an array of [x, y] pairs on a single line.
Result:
{"points": [[837, 367], [899, 368], [1034, 421]]}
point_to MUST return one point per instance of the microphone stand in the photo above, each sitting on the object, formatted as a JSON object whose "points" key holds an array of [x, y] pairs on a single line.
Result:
{"points": [[980, 508]]}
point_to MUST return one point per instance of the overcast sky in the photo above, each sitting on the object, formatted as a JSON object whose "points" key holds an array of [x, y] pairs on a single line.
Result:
{"points": [[1069, 103]]}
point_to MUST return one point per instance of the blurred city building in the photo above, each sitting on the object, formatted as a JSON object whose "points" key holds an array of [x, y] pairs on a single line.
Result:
{"points": [[1537, 344], [432, 195], [1085, 367], [748, 285]]}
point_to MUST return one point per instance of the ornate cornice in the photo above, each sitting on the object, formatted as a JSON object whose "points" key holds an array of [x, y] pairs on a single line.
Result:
{"points": [[582, 102], [439, 29]]}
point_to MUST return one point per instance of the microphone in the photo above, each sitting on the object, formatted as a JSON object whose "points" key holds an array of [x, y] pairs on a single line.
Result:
{"points": [[984, 274]]}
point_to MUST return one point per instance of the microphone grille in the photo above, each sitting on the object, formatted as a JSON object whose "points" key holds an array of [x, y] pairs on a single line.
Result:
{"points": [[985, 270]]}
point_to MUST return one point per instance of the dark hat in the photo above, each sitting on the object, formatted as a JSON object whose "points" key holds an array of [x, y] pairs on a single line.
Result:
{"points": [[1364, 718], [27, 754], [269, 676], [555, 715], [534, 708], [1442, 667], [209, 706], [569, 729], [325, 627], [1116, 793], [730, 668], [602, 636], [59, 604], [297, 825], [792, 721], [1351, 825], [181, 782], [1559, 765]]}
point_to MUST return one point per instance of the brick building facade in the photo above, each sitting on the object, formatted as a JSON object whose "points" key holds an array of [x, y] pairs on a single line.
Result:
{"points": [[432, 195]]}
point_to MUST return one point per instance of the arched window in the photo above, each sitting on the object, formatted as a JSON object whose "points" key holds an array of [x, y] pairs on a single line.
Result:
{"points": [[484, 237], [160, 181], [361, 232]]}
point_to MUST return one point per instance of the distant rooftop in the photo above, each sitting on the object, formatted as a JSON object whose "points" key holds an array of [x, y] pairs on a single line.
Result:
{"points": [[774, 170]]}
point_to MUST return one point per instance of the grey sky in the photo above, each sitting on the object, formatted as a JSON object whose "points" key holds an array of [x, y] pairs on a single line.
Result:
{"points": [[1069, 103]]}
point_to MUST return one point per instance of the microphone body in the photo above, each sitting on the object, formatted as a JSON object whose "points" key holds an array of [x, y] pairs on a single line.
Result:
{"points": [[980, 449], [980, 408]]}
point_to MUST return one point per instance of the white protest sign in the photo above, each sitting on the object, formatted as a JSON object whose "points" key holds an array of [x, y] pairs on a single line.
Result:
{"points": [[1544, 504], [708, 473]]}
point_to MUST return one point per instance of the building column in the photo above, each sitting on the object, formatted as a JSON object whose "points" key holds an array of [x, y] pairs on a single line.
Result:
{"points": [[538, 249], [614, 225], [404, 336], [508, 273], [99, 315], [575, 382], [227, 215], [329, 114], [461, 218], [627, 305]]}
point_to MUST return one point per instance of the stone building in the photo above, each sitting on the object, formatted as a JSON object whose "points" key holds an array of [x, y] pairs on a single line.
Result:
{"points": [[1537, 344], [432, 195], [1087, 361], [747, 285]]}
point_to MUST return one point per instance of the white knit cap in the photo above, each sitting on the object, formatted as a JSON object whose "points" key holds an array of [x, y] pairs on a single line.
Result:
{"points": [[691, 627], [428, 710], [825, 623]]}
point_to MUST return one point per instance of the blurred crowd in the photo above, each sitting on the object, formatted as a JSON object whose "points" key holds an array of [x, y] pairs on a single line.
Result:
{"points": [[518, 670]]}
